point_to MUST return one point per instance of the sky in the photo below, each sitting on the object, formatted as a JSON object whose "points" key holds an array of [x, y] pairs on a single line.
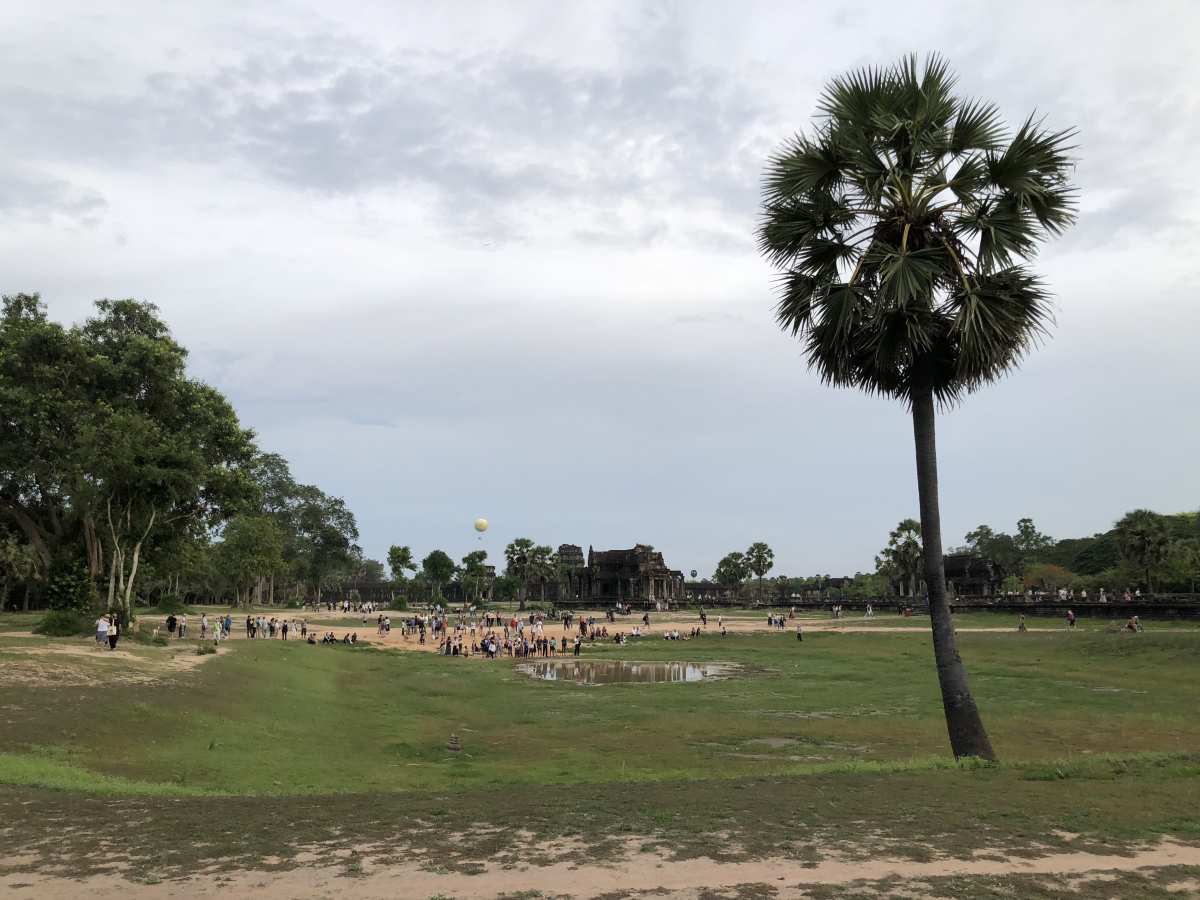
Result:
{"points": [[464, 259]]}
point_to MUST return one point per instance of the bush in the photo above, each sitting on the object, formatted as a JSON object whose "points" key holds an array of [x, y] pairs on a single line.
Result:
{"points": [[168, 605], [69, 589], [204, 648], [64, 623]]}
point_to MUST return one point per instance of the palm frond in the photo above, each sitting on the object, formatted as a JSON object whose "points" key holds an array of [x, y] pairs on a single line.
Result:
{"points": [[794, 310], [999, 320], [900, 223], [978, 127]]}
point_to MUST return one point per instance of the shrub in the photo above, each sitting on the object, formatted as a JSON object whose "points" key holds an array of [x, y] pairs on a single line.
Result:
{"points": [[204, 648], [64, 623], [168, 605], [69, 589]]}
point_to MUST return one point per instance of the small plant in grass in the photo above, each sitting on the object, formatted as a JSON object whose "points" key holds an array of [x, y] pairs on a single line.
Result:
{"points": [[204, 648], [144, 634]]}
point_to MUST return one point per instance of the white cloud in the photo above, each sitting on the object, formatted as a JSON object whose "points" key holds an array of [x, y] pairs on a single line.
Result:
{"points": [[456, 259]]}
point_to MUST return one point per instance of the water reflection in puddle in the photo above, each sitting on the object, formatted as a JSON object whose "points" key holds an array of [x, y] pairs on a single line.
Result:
{"points": [[620, 671]]}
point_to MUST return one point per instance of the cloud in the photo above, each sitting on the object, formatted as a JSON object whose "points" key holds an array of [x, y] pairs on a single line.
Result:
{"points": [[45, 199], [499, 259], [492, 135]]}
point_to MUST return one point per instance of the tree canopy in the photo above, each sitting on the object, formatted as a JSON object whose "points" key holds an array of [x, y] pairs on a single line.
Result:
{"points": [[112, 455]]}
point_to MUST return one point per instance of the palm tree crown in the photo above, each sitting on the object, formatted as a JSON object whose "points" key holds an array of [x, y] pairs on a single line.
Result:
{"points": [[900, 225]]}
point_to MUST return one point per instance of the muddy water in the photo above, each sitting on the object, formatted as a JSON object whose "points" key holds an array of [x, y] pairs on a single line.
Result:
{"points": [[620, 671]]}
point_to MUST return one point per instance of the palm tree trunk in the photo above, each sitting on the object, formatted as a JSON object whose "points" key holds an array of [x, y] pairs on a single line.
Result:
{"points": [[967, 734]]}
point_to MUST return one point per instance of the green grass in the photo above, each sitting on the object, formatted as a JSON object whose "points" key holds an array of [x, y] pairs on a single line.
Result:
{"points": [[836, 699], [836, 740]]}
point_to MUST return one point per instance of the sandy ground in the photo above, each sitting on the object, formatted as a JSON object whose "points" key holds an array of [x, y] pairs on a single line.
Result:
{"points": [[659, 623], [638, 872]]}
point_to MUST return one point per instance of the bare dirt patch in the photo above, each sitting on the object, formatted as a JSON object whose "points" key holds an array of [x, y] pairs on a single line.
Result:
{"points": [[633, 873], [71, 665]]}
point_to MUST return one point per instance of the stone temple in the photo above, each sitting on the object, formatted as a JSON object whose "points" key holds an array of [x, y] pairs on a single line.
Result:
{"points": [[637, 575]]}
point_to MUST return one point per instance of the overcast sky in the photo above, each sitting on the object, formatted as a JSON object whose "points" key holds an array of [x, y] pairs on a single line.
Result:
{"points": [[494, 259]]}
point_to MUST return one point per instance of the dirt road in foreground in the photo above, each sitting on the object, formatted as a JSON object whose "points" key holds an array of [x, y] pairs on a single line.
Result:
{"points": [[638, 873]]}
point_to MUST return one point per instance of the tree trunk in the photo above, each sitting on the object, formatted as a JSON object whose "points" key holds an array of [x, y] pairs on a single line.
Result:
{"points": [[967, 734]]}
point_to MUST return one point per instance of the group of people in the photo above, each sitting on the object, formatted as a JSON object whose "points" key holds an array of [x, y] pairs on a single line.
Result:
{"points": [[263, 627], [1133, 623], [108, 631], [329, 637]]}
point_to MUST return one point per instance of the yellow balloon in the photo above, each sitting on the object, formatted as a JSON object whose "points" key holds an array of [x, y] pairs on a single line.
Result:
{"points": [[481, 525]]}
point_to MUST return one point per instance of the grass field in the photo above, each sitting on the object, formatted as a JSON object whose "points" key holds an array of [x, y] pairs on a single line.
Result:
{"points": [[833, 745]]}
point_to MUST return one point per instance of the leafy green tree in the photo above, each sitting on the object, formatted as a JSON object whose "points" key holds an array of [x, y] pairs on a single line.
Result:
{"points": [[43, 398], [438, 569], [19, 562], [1048, 576], [1144, 541], [326, 535], [123, 452], [507, 587], [732, 570], [473, 572], [1031, 542], [250, 551], [900, 224], [1183, 563], [759, 560], [400, 561]]}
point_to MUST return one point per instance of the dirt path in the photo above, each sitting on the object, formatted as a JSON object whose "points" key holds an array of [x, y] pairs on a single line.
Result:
{"points": [[638, 873], [322, 622]]}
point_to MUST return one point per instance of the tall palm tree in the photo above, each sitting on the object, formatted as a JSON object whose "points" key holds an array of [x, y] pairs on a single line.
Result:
{"points": [[900, 224], [759, 559]]}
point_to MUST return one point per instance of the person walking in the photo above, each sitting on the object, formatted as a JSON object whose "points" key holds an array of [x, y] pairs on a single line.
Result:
{"points": [[114, 631], [102, 631]]}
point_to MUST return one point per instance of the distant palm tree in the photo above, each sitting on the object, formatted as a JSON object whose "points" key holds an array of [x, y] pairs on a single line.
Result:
{"points": [[1144, 540], [759, 560], [903, 554], [899, 224]]}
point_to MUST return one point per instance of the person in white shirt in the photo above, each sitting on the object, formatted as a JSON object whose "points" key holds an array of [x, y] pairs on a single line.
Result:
{"points": [[102, 631]]}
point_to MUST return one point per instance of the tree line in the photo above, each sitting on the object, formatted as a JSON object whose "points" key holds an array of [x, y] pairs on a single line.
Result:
{"points": [[124, 480]]}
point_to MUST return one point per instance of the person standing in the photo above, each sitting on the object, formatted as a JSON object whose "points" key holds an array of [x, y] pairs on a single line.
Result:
{"points": [[1071, 619], [114, 632], [101, 631]]}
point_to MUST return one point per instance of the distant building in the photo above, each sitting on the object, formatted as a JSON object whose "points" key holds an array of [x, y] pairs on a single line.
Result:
{"points": [[638, 575], [971, 575]]}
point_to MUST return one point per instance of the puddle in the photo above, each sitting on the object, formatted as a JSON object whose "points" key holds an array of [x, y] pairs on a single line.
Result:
{"points": [[620, 671]]}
